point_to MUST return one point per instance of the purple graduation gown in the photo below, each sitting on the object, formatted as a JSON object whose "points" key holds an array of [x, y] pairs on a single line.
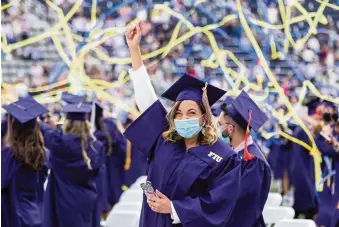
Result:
{"points": [[327, 199], [283, 159], [138, 166], [202, 187], [115, 162], [303, 178], [255, 186], [4, 126], [272, 158], [335, 209], [21, 193], [71, 193], [102, 204]]}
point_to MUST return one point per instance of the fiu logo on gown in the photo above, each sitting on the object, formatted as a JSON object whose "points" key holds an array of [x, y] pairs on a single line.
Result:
{"points": [[216, 157]]}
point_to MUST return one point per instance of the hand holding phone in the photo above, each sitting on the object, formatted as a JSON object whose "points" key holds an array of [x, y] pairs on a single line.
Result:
{"points": [[148, 189]]}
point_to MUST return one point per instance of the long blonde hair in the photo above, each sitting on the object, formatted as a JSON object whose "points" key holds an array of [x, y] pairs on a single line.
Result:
{"points": [[209, 134], [81, 129]]}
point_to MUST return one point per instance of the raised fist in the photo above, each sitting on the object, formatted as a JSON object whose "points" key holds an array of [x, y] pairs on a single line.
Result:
{"points": [[133, 37]]}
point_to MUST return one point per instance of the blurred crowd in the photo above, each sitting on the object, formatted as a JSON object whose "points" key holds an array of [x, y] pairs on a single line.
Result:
{"points": [[317, 61]]}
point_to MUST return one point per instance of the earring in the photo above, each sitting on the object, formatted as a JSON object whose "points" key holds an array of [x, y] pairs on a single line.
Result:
{"points": [[203, 130]]}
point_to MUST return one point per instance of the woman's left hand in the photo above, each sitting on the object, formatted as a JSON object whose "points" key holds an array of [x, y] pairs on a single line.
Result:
{"points": [[160, 205]]}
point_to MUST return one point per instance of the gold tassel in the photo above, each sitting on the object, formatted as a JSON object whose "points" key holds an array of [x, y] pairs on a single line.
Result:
{"points": [[128, 155], [124, 188], [206, 105]]}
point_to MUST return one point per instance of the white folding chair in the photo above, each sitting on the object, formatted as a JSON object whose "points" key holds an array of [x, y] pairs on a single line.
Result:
{"points": [[135, 186], [273, 199], [122, 219], [141, 179], [122, 206], [296, 223], [273, 215], [131, 196]]}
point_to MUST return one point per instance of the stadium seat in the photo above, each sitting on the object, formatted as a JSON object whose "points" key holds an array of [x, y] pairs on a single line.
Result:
{"points": [[296, 223], [135, 186], [141, 179], [274, 199], [123, 218], [127, 206], [273, 215], [132, 196]]}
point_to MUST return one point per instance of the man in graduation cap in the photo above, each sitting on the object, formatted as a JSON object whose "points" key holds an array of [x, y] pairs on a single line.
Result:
{"points": [[196, 176], [236, 119]]}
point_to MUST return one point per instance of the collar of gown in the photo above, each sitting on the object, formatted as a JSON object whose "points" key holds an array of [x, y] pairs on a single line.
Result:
{"points": [[241, 146]]}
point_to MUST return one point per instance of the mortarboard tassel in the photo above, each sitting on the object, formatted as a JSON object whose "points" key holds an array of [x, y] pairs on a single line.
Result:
{"points": [[247, 155], [128, 156]]}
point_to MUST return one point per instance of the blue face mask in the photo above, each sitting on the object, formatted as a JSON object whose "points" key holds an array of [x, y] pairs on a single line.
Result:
{"points": [[187, 128], [225, 139]]}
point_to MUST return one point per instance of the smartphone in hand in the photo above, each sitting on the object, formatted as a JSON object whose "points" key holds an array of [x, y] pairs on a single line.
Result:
{"points": [[148, 189]]}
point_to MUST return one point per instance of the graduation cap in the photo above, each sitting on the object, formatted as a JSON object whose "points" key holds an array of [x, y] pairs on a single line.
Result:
{"points": [[245, 112], [97, 111], [228, 100], [69, 98], [216, 109], [77, 111], [25, 110], [190, 88]]}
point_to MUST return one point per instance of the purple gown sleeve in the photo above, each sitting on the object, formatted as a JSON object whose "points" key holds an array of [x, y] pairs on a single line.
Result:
{"points": [[9, 167], [325, 149], [214, 208], [145, 131], [51, 136]]}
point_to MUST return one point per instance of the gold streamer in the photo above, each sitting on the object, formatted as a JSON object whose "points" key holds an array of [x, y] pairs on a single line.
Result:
{"points": [[215, 60], [313, 150], [9, 5]]}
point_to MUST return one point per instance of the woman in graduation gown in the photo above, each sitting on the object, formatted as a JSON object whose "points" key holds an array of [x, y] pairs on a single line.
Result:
{"points": [[112, 174], [76, 158], [303, 179], [236, 119], [115, 161], [327, 199], [195, 174], [23, 158], [136, 162]]}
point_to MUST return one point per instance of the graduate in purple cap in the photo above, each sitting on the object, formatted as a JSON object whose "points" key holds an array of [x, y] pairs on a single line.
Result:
{"points": [[306, 201], [136, 162], [23, 161], [330, 158], [114, 144], [237, 118], [68, 98], [335, 179], [76, 158], [195, 175]]}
